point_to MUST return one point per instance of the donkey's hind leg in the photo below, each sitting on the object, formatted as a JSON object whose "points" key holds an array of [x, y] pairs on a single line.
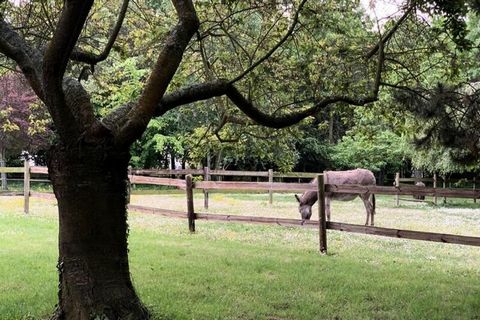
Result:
{"points": [[368, 207], [327, 207]]}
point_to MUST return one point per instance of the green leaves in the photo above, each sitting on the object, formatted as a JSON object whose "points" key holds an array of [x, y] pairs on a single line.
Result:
{"points": [[379, 151], [116, 84]]}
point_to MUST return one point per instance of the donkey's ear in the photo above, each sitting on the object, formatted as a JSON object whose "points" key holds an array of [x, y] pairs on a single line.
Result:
{"points": [[297, 197]]}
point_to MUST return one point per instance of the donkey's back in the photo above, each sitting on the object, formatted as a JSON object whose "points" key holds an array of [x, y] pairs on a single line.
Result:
{"points": [[357, 176]]}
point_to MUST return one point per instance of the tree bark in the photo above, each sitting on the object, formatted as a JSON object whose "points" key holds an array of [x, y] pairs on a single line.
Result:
{"points": [[3, 175], [90, 185]]}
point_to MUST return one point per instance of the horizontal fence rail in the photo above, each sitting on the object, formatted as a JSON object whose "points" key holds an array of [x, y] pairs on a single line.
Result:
{"points": [[300, 175], [11, 170], [158, 211], [212, 172], [31, 180], [226, 173], [404, 190], [439, 179], [158, 181], [258, 220], [254, 186], [405, 234], [419, 179], [41, 170], [11, 193], [42, 195], [165, 172]]}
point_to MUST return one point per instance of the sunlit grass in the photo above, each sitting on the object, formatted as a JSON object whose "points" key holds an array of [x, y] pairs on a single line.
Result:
{"points": [[238, 271]]}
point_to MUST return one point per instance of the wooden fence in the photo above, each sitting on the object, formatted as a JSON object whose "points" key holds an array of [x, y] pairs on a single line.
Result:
{"points": [[320, 188], [208, 173], [154, 176], [323, 225], [435, 180]]}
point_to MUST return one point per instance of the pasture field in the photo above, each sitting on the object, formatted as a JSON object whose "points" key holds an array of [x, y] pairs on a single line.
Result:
{"points": [[241, 271]]}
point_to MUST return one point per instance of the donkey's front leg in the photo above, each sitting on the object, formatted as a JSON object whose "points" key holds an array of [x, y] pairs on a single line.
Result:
{"points": [[372, 207]]}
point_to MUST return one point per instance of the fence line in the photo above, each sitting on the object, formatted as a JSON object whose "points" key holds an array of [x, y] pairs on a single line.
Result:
{"points": [[201, 172], [320, 187], [435, 179], [323, 225], [338, 226], [207, 173]]}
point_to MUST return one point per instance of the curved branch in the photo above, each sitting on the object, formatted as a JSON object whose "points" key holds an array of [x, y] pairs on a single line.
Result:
{"points": [[55, 61], [291, 29], [391, 32], [286, 120], [167, 64], [28, 59], [192, 94], [93, 59], [223, 87]]}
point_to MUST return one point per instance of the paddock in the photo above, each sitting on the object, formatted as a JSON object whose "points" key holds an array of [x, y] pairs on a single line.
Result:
{"points": [[273, 268], [260, 271], [320, 187]]}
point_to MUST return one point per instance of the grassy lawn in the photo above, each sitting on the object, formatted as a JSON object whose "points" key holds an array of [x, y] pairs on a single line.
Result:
{"points": [[238, 271]]}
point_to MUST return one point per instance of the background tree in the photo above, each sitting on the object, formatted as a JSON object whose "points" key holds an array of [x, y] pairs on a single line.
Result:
{"points": [[23, 121], [445, 105]]}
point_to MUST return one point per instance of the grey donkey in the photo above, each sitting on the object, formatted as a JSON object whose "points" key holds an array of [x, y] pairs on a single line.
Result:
{"points": [[357, 176]]}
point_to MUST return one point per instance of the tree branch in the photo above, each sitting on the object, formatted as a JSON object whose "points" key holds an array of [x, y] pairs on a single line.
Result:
{"points": [[167, 64], [93, 59], [57, 55], [224, 87], [391, 32], [291, 29], [28, 59], [192, 94], [286, 120]]}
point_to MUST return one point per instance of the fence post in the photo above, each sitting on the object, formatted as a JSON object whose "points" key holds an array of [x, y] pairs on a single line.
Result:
{"points": [[474, 188], [206, 177], [435, 187], [26, 186], [322, 221], [270, 180], [397, 184], [190, 208]]}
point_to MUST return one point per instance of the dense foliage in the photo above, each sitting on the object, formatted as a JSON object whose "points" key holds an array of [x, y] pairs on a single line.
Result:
{"points": [[324, 55], [23, 120]]}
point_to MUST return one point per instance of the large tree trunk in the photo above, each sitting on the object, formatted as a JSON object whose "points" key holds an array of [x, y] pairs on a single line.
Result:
{"points": [[90, 186]]}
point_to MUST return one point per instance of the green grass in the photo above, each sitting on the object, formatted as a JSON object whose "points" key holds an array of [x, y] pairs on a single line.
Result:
{"points": [[36, 186], [238, 271]]}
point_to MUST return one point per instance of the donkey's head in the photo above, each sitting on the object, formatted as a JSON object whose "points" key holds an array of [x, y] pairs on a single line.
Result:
{"points": [[304, 209]]}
